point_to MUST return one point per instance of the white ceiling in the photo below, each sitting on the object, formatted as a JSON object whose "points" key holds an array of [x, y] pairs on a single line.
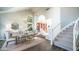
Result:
{"points": [[13, 9], [4, 8]]}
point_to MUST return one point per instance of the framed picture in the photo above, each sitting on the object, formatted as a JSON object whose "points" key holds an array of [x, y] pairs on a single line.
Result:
{"points": [[15, 26]]}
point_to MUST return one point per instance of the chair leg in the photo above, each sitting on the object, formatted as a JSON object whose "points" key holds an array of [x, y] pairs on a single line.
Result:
{"points": [[10, 41], [7, 44]]}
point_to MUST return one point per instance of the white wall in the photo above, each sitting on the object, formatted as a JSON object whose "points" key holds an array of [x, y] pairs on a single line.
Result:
{"points": [[54, 15], [9, 18], [18, 17], [69, 14]]}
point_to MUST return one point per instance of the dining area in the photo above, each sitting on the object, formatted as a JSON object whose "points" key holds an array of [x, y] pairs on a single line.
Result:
{"points": [[19, 41], [18, 37]]}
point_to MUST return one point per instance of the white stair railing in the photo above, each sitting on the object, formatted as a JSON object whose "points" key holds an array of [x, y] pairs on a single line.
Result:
{"points": [[54, 30], [61, 29], [75, 34]]}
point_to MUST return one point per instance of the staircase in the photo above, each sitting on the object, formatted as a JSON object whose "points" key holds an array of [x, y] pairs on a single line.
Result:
{"points": [[66, 37]]}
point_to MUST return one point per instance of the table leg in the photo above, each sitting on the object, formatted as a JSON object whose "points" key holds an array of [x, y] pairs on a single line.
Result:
{"points": [[16, 40]]}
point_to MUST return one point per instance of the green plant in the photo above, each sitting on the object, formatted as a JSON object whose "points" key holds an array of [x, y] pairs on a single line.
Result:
{"points": [[29, 23], [30, 29], [1, 43], [29, 19]]}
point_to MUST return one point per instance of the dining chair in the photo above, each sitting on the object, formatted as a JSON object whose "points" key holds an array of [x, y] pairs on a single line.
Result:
{"points": [[9, 38]]}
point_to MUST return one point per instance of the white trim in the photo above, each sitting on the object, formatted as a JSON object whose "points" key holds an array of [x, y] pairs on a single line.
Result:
{"points": [[74, 41], [75, 34]]}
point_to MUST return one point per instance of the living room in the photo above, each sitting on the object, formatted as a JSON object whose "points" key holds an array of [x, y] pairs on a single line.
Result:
{"points": [[38, 28], [17, 21]]}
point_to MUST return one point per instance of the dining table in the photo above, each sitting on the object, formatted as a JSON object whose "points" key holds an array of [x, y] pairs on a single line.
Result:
{"points": [[24, 37]]}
